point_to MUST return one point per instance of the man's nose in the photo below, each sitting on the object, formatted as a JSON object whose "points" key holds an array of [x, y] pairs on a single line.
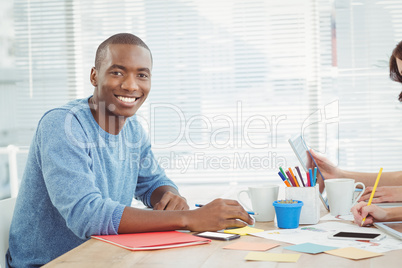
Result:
{"points": [[130, 83]]}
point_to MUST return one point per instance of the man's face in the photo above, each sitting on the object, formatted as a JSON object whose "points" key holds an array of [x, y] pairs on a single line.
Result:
{"points": [[123, 80]]}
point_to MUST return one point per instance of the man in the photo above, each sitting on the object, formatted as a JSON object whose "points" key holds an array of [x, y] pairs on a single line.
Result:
{"points": [[89, 158]]}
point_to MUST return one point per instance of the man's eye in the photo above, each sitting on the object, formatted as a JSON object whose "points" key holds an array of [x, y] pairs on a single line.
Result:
{"points": [[143, 75], [117, 73]]}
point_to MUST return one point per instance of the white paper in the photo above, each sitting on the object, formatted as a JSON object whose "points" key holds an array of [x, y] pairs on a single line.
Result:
{"points": [[318, 234], [329, 217]]}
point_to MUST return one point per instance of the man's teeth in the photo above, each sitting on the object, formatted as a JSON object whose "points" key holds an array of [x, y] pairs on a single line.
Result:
{"points": [[126, 99]]}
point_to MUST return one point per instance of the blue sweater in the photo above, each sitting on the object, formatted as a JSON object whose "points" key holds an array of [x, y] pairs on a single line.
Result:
{"points": [[77, 181]]}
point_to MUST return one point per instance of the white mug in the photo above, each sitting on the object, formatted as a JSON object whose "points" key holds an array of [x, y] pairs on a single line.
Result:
{"points": [[261, 198], [340, 193]]}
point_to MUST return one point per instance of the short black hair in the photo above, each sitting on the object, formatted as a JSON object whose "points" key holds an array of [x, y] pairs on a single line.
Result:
{"points": [[121, 39]]}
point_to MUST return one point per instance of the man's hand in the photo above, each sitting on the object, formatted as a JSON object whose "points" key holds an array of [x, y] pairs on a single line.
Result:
{"points": [[383, 194], [171, 201], [217, 215]]}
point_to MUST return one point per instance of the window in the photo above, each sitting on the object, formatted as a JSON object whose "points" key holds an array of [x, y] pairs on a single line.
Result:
{"points": [[231, 82]]}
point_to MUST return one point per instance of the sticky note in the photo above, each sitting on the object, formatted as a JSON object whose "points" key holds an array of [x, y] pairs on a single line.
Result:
{"points": [[310, 248], [278, 257], [243, 230], [251, 246], [353, 253]]}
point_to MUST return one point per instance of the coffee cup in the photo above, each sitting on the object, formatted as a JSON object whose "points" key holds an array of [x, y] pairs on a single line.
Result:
{"points": [[261, 198], [340, 193]]}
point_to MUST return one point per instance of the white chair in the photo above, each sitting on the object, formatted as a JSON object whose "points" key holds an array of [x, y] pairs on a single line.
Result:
{"points": [[6, 214], [12, 151]]}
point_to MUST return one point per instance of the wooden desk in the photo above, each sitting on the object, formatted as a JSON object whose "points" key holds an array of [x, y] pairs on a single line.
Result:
{"points": [[95, 253]]}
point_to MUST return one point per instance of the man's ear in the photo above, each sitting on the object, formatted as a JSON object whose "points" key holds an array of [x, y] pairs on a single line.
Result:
{"points": [[94, 77]]}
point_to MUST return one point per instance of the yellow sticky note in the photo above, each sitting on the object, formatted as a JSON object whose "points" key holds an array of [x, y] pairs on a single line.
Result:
{"points": [[251, 246], [353, 253], [278, 257], [243, 230]]}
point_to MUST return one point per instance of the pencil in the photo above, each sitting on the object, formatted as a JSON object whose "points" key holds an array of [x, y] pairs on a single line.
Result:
{"points": [[290, 178], [372, 192], [294, 177]]}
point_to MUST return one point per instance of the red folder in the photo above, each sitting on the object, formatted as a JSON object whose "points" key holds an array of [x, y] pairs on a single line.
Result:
{"points": [[154, 240]]}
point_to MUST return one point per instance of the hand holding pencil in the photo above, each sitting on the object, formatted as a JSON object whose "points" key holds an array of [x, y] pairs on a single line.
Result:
{"points": [[373, 192], [372, 214], [364, 209]]}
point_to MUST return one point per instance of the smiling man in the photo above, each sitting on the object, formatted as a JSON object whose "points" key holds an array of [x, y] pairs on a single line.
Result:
{"points": [[90, 157], [122, 81]]}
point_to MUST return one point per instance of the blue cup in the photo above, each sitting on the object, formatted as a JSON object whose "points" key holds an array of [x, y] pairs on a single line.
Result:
{"points": [[288, 214]]}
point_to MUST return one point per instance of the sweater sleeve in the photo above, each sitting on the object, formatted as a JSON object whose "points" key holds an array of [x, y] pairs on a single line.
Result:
{"points": [[64, 158], [151, 175]]}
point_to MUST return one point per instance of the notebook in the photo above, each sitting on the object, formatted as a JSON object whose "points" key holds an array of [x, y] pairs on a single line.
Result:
{"points": [[153, 240]]}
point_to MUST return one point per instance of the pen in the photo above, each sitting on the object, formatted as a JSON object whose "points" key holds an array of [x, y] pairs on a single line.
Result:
{"points": [[315, 176], [310, 172], [284, 179], [300, 175], [308, 179], [372, 192], [283, 173], [294, 177], [249, 212]]}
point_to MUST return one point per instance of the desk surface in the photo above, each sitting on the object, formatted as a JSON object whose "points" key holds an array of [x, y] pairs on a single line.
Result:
{"points": [[95, 253]]}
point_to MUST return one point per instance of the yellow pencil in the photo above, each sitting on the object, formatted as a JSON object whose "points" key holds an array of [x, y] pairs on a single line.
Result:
{"points": [[372, 192]]}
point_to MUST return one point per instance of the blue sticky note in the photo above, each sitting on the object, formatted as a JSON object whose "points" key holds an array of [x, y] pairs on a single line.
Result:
{"points": [[310, 248]]}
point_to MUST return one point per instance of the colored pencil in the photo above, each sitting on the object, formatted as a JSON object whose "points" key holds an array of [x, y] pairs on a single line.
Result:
{"points": [[290, 178], [300, 175], [294, 177]]}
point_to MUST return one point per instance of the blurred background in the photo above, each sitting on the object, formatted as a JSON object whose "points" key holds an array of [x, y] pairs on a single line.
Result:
{"points": [[232, 81]]}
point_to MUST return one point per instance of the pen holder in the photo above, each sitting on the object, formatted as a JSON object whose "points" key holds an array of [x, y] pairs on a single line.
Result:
{"points": [[310, 213]]}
